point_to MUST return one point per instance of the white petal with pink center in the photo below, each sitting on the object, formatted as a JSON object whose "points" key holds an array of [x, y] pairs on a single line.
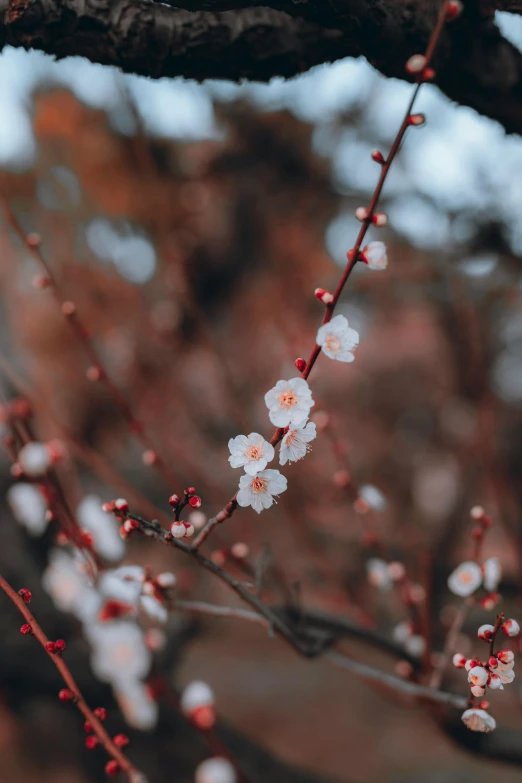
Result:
{"points": [[252, 452], [478, 675], [465, 579], [294, 445], [338, 340], [479, 720], [289, 403], [492, 574], [258, 491]]}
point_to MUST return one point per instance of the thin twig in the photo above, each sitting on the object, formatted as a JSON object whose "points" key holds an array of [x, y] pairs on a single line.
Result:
{"points": [[133, 773]]}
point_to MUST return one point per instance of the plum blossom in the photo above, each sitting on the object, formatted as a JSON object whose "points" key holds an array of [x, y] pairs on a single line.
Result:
{"points": [[375, 256], [215, 770], [492, 574], [258, 491], [252, 452], [294, 445], [505, 672], [66, 582], [337, 339], [107, 540], [118, 651], [511, 628], [35, 459], [28, 507], [379, 573], [154, 608], [196, 694], [478, 720], [289, 402], [123, 584], [478, 675], [465, 579], [373, 497], [136, 703]]}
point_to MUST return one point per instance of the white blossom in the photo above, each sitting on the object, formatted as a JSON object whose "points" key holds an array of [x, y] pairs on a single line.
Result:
{"points": [[215, 770], [118, 651], [478, 720], [289, 402], [337, 339], [252, 452], [492, 574], [123, 584], [373, 497], [294, 445], [375, 255], [511, 628], [495, 682], [138, 707], [415, 645], [196, 694], [35, 459], [107, 540], [259, 491], [154, 608], [478, 675], [68, 585], [505, 672], [28, 507], [465, 579], [379, 573]]}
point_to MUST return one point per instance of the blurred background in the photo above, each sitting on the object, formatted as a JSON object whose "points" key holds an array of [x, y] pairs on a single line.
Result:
{"points": [[190, 225]]}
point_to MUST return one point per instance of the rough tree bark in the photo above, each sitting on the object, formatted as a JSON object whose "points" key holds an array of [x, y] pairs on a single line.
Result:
{"points": [[237, 39]]}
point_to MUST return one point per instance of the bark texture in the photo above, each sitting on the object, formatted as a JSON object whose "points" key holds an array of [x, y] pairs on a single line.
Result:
{"points": [[242, 39]]}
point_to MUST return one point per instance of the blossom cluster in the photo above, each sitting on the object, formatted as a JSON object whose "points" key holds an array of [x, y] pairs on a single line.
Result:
{"points": [[469, 576], [494, 673]]}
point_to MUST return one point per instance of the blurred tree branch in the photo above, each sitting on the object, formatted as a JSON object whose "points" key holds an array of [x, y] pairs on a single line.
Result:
{"points": [[230, 39]]}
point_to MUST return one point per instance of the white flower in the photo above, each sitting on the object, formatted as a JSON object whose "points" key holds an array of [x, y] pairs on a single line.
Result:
{"points": [[495, 682], [402, 631], [375, 255], [465, 579], [492, 574], [295, 443], [289, 402], [34, 459], [123, 584], [478, 690], [373, 497], [136, 704], [485, 632], [196, 694], [28, 507], [511, 628], [415, 645], [154, 608], [505, 673], [107, 540], [252, 452], [378, 573], [478, 720], [258, 491], [66, 582], [337, 339], [478, 675], [215, 770], [118, 651]]}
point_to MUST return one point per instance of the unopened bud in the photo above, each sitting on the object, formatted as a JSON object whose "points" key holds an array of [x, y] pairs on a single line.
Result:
{"points": [[380, 219], [416, 63], [300, 364], [378, 157], [324, 296], [68, 309], [362, 214], [454, 10], [177, 529], [416, 119]]}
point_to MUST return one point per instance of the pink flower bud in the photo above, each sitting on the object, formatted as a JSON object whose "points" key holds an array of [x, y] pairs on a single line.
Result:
{"points": [[506, 656], [362, 214], [189, 529], [459, 660], [324, 296], [94, 373], [174, 500], [478, 690], [195, 501], [485, 632], [454, 10], [494, 682], [416, 63], [68, 309], [166, 579], [477, 512], [121, 505], [492, 662], [149, 457], [511, 628], [416, 119], [239, 550], [378, 157], [380, 219], [178, 529], [300, 364]]}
